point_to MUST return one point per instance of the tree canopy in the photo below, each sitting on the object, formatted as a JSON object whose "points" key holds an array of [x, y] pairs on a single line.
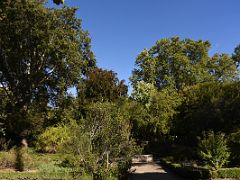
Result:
{"points": [[101, 85], [179, 63], [43, 52]]}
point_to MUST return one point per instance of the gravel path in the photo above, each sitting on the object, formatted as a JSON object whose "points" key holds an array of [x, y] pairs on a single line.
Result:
{"points": [[150, 171]]}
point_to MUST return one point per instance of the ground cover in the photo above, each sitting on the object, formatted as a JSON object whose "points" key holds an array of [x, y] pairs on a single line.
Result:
{"points": [[36, 166]]}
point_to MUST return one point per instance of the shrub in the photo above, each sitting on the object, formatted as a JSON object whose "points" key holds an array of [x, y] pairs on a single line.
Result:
{"points": [[123, 168], [101, 142], [227, 173], [234, 144], [213, 149], [4, 144], [53, 139], [7, 160], [189, 172]]}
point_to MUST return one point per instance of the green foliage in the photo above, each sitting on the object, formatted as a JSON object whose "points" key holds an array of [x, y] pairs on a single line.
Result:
{"points": [[7, 159], [3, 113], [184, 90], [101, 85], [179, 63], [160, 107], [19, 165], [140, 120], [58, 1], [213, 149], [234, 144], [123, 169], [227, 173], [20, 159], [208, 106], [43, 53], [188, 172], [52, 140], [38, 176], [102, 137], [143, 93], [236, 55], [235, 137]]}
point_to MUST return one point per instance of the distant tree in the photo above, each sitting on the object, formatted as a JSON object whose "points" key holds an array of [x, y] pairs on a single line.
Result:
{"points": [[43, 52], [101, 85], [179, 63], [58, 1], [223, 68], [236, 55]]}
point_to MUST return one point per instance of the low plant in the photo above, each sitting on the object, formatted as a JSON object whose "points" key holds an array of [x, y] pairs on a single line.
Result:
{"points": [[227, 173], [213, 149], [53, 139], [189, 172], [7, 159], [101, 144]]}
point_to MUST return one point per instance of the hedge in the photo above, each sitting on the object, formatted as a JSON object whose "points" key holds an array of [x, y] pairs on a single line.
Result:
{"points": [[227, 173], [190, 172]]}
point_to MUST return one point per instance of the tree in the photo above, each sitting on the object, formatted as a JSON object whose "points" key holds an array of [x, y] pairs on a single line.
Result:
{"points": [[180, 63], [223, 68], [101, 85], [143, 93], [58, 1], [208, 106], [41, 56], [236, 55], [159, 105], [103, 137]]}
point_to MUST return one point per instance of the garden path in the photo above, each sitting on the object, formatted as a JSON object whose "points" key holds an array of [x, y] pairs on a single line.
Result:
{"points": [[151, 171]]}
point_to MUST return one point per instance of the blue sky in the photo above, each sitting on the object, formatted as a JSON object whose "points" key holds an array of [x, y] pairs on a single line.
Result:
{"points": [[121, 29]]}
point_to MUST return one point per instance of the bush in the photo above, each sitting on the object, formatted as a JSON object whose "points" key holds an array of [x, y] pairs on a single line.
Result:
{"points": [[7, 160], [227, 173], [4, 144], [189, 172], [37, 176], [123, 168], [207, 106], [17, 158], [94, 148], [213, 149], [234, 144], [53, 139]]}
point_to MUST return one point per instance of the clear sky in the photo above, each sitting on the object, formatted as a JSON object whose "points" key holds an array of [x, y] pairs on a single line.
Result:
{"points": [[121, 29]]}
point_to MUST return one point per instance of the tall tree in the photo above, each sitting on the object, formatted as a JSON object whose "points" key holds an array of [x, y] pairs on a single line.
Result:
{"points": [[41, 55], [58, 1], [101, 85], [179, 63], [236, 55]]}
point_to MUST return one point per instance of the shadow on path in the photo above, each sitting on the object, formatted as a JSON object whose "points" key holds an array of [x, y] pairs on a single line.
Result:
{"points": [[152, 176], [151, 171]]}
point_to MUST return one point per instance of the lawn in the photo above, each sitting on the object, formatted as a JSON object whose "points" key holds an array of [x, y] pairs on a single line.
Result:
{"points": [[36, 166]]}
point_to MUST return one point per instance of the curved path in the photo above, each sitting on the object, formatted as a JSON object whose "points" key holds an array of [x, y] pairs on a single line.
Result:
{"points": [[151, 171]]}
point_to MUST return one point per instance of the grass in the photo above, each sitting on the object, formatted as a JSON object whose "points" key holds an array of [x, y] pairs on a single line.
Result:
{"points": [[36, 166], [33, 175]]}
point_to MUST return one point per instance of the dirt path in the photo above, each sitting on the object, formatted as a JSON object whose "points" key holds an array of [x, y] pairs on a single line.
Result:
{"points": [[150, 171]]}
